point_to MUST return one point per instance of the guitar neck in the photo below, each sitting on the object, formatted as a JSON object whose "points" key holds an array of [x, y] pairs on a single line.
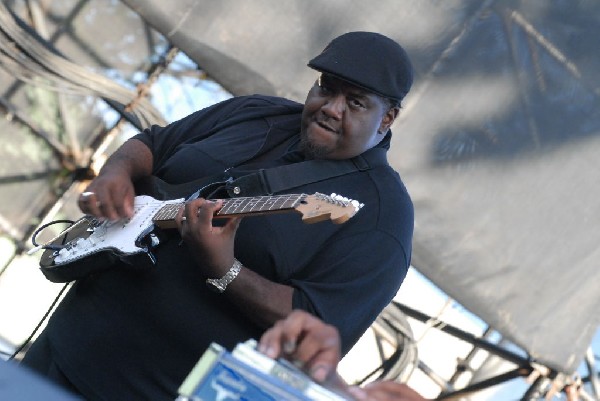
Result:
{"points": [[244, 206]]}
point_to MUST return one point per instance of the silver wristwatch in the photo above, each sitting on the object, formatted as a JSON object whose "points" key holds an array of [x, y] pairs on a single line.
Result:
{"points": [[220, 284]]}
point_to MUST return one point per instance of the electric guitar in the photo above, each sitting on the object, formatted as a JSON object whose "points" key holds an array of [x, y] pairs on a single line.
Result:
{"points": [[90, 245]]}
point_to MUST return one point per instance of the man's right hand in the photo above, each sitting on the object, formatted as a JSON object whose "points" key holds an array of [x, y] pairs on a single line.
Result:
{"points": [[111, 194]]}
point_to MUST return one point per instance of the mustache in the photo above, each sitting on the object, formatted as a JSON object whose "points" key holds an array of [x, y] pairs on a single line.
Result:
{"points": [[326, 124]]}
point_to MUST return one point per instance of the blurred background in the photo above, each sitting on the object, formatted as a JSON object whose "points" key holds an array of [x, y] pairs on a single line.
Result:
{"points": [[497, 143]]}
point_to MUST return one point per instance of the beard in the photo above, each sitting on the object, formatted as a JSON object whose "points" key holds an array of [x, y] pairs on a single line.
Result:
{"points": [[312, 150]]}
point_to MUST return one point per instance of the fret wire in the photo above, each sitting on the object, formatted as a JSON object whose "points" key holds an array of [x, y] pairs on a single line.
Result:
{"points": [[259, 203], [167, 212], [252, 205]]}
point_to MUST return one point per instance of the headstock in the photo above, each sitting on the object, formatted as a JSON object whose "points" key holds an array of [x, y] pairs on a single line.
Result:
{"points": [[319, 207]]}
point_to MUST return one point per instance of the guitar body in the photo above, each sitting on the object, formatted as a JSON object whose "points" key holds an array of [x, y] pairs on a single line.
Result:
{"points": [[91, 246]]}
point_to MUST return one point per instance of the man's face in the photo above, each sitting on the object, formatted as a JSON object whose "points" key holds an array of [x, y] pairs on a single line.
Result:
{"points": [[340, 120]]}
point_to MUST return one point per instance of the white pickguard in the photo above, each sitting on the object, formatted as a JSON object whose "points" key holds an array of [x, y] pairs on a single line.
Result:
{"points": [[117, 236]]}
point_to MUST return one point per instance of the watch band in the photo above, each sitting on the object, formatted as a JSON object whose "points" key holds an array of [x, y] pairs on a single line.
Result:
{"points": [[220, 284]]}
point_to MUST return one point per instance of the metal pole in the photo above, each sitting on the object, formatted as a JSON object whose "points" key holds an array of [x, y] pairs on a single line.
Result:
{"points": [[590, 362]]}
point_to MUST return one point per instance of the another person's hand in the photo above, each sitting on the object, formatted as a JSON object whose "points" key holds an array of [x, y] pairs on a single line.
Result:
{"points": [[306, 341], [315, 346]]}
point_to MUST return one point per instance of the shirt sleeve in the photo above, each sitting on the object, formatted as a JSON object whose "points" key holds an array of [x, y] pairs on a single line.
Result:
{"points": [[350, 281], [163, 141], [216, 120]]}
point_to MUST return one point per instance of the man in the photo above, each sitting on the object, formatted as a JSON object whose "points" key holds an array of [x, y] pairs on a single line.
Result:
{"points": [[130, 334], [315, 346]]}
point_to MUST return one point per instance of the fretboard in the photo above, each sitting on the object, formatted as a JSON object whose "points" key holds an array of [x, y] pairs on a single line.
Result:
{"points": [[165, 217]]}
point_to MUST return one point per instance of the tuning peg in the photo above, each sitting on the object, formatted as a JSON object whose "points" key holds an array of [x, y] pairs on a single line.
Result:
{"points": [[357, 205], [346, 201]]}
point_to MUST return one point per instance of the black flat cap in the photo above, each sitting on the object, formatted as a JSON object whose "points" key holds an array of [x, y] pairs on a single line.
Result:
{"points": [[369, 60]]}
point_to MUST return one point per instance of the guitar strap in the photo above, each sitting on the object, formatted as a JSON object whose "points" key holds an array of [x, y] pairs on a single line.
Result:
{"points": [[266, 181], [278, 179]]}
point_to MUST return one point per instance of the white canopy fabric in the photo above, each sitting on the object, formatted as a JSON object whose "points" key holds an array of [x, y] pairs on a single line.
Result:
{"points": [[498, 141]]}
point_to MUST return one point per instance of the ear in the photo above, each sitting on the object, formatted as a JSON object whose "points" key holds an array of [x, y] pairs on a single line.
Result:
{"points": [[388, 119]]}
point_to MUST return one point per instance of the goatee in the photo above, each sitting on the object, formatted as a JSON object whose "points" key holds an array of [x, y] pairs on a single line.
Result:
{"points": [[312, 151]]}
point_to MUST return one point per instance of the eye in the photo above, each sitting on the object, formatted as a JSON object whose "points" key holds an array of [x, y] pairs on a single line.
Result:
{"points": [[356, 103]]}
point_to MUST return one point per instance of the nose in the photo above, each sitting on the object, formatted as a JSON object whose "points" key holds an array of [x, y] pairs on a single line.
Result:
{"points": [[335, 106]]}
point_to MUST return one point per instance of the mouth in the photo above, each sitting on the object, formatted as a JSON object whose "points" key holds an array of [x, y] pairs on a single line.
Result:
{"points": [[325, 126], [320, 138]]}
